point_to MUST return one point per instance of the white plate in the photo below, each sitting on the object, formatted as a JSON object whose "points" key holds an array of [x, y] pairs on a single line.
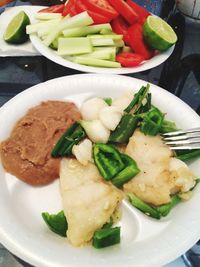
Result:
{"points": [[52, 55], [145, 241]]}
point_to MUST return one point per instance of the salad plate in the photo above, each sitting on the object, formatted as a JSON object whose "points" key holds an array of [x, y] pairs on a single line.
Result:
{"points": [[145, 242]]}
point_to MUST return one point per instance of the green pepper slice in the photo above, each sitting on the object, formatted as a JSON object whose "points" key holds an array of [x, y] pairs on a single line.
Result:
{"points": [[108, 160], [106, 237], [72, 136], [130, 171], [152, 122]]}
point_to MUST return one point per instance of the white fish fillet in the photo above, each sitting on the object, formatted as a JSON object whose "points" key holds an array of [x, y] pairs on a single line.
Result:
{"points": [[159, 174], [87, 200]]}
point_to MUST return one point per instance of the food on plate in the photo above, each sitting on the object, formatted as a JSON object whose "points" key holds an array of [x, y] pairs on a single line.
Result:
{"points": [[27, 152], [87, 200], [99, 32], [110, 150], [16, 30]]}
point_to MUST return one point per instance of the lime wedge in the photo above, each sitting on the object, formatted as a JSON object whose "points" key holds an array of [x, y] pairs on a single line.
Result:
{"points": [[16, 30], [158, 33]]}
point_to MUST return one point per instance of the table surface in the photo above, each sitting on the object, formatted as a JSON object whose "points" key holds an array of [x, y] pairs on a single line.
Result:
{"points": [[19, 73]]}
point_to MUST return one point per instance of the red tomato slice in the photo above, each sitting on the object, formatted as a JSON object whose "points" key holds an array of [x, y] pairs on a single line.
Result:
{"points": [[128, 59], [137, 42], [97, 18], [53, 9], [102, 7], [69, 8], [125, 10], [142, 12], [120, 26]]}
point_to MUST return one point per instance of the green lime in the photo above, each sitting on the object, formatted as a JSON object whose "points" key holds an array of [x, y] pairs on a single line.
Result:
{"points": [[158, 33], [16, 30]]}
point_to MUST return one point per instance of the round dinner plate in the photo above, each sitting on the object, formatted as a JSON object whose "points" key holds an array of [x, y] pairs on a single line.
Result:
{"points": [[145, 242]]}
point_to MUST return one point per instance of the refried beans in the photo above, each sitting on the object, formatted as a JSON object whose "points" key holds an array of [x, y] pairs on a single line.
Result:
{"points": [[26, 154]]}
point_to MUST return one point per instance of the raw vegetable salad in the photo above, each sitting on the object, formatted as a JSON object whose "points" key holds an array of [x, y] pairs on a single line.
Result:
{"points": [[103, 33], [122, 138]]}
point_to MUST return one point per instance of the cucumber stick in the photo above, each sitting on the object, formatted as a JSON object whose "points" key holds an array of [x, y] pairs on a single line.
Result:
{"points": [[106, 36], [101, 41], [84, 31], [33, 28], [74, 46], [96, 62], [82, 19], [47, 16], [101, 54]]}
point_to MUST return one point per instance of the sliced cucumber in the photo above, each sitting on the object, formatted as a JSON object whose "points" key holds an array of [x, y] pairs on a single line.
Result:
{"points": [[45, 30], [84, 31], [74, 46], [96, 62], [126, 49], [101, 41], [47, 16], [119, 43], [101, 54], [107, 36], [35, 27]]}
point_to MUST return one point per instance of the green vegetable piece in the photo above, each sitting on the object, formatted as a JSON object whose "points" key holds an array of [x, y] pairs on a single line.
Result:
{"points": [[166, 208], [145, 107], [56, 222], [138, 99], [127, 173], [125, 129], [168, 126], [197, 181], [144, 207], [106, 237], [108, 160], [108, 224], [152, 122], [72, 136], [108, 101], [186, 155]]}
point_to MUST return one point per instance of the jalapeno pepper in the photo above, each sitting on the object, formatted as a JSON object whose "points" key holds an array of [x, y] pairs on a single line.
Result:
{"points": [[108, 160], [127, 173], [152, 122], [71, 137]]}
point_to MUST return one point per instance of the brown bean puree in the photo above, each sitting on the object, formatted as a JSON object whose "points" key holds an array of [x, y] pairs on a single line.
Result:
{"points": [[27, 152]]}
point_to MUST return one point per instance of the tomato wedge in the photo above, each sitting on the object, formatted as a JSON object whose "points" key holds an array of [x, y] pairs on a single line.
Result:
{"points": [[137, 42], [120, 26], [53, 9], [124, 10], [128, 59], [69, 8], [142, 12], [102, 7], [97, 18]]}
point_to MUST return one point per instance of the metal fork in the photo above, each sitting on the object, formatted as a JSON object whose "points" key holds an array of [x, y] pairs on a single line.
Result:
{"points": [[188, 139]]}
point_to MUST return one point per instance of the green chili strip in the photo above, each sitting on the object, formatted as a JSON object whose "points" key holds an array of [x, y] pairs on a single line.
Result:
{"points": [[188, 154], [166, 208], [106, 237], [108, 160], [125, 129], [144, 207], [168, 126], [108, 224], [71, 137], [56, 222], [138, 99], [145, 107], [127, 173], [152, 122]]}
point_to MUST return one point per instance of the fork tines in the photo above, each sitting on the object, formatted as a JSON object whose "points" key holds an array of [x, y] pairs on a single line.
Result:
{"points": [[188, 139]]}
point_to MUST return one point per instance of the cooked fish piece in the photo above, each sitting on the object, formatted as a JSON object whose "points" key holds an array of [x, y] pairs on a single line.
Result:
{"points": [[161, 175], [88, 201]]}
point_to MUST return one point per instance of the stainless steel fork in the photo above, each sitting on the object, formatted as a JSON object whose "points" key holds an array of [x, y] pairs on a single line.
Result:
{"points": [[186, 139]]}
